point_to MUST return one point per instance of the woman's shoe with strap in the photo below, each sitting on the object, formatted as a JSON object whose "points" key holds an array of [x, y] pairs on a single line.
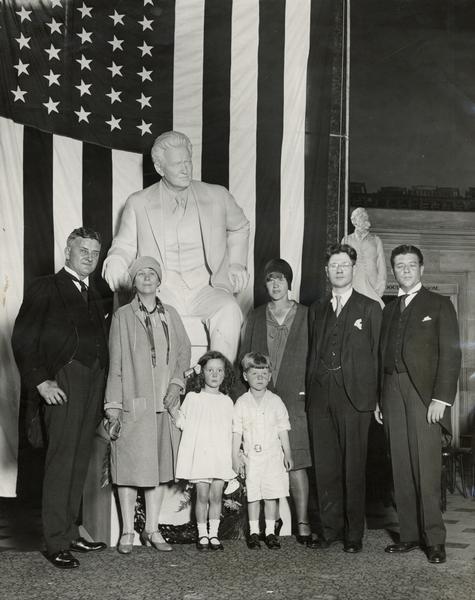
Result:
{"points": [[155, 539]]}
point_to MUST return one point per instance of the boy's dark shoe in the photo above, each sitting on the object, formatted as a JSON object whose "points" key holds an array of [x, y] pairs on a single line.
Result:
{"points": [[272, 541], [253, 541]]}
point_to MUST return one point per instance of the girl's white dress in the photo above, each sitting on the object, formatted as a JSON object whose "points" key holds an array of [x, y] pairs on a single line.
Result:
{"points": [[205, 450]]}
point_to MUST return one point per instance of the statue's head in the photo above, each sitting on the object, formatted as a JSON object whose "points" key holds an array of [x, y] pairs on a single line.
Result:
{"points": [[171, 155], [360, 219]]}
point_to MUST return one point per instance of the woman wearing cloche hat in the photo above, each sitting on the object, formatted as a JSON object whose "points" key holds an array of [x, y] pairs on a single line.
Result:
{"points": [[149, 352]]}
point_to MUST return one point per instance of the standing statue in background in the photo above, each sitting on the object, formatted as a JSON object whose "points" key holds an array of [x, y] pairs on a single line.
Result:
{"points": [[369, 277]]}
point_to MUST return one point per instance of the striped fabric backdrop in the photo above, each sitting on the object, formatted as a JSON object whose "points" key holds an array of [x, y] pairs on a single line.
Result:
{"points": [[249, 82]]}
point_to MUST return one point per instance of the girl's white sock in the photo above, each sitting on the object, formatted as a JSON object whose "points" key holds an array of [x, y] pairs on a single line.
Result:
{"points": [[213, 528], [202, 533]]}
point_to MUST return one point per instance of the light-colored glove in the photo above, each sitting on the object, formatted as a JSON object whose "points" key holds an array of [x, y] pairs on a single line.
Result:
{"points": [[238, 276], [115, 273]]}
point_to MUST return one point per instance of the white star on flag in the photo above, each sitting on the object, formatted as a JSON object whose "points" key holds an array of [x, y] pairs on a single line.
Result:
{"points": [[53, 78], [55, 26], [55, 3], [114, 123], [117, 18], [18, 94], [115, 69], [23, 41], [144, 127], [85, 36], [146, 24], [146, 49], [144, 101], [144, 74], [52, 52], [84, 62], [83, 115], [84, 88], [24, 14], [116, 44], [51, 106], [85, 11], [22, 67], [114, 96]]}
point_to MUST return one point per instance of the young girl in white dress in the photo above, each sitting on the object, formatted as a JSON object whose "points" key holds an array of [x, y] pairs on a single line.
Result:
{"points": [[205, 452]]}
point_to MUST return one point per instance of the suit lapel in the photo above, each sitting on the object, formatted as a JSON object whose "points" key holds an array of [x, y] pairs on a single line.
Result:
{"points": [[156, 218], [322, 318], [205, 217]]}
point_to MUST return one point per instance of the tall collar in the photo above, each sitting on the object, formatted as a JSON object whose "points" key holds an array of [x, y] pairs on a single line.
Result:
{"points": [[344, 297], [74, 274], [411, 292]]}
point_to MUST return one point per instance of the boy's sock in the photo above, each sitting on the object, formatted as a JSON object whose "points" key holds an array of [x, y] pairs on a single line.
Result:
{"points": [[202, 533], [213, 528], [270, 526], [253, 527]]}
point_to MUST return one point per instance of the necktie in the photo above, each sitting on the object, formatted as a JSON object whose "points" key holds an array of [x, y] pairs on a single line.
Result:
{"points": [[402, 302], [338, 307], [82, 285], [180, 205]]}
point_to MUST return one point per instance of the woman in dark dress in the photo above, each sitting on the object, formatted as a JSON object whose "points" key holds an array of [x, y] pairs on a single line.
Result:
{"points": [[279, 330]]}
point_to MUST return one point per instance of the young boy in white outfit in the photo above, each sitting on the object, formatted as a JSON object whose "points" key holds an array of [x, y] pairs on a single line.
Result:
{"points": [[261, 421]]}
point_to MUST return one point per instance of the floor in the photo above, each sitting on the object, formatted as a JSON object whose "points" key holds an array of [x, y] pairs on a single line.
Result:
{"points": [[20, 524]]}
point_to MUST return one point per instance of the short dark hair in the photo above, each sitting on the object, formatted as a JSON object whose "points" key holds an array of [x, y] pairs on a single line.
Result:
{"points": [[406, 249], [279, 265], [339, 248], [83, 232], [255, 360], [196, 381]]}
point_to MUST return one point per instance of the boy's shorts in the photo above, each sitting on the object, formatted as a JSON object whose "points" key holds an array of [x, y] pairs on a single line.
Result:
{"points": [[266, 477]]}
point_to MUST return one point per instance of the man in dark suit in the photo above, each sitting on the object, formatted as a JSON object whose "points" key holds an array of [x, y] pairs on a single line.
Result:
{"points": [[341, 396], [60, 345], [420, 363]]}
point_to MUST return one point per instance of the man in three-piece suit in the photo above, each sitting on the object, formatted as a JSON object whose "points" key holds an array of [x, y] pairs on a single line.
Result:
{"points": [[197, 233], [420, 364], [341, 397], [60, 345]]}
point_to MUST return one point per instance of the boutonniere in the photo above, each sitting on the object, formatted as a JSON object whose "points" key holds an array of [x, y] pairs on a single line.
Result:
{"points": [[359, 324], [426, 318]]}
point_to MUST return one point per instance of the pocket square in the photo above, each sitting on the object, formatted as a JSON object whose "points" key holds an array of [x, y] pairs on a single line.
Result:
{"points": [[427, 318], [358, 323]]}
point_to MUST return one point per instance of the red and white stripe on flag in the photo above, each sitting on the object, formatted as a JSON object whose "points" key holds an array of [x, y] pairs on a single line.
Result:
{"points": [[232, 75]]}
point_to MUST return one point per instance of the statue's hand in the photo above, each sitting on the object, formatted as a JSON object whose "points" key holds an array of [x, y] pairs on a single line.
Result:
{"points": [[115, 273], [238, 276]]}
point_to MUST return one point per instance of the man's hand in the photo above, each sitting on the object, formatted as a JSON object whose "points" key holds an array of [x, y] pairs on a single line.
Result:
{"points": [[435, 412], [378, 415], [115, 273], [172, 397], [238, 276], [51, 392]]}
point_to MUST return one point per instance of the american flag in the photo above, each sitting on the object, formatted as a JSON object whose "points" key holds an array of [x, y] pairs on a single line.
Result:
{"points": [[86, 86]]}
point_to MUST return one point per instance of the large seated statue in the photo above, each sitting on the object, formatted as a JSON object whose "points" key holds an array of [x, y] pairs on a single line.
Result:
{"points": [[197, 233]]}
